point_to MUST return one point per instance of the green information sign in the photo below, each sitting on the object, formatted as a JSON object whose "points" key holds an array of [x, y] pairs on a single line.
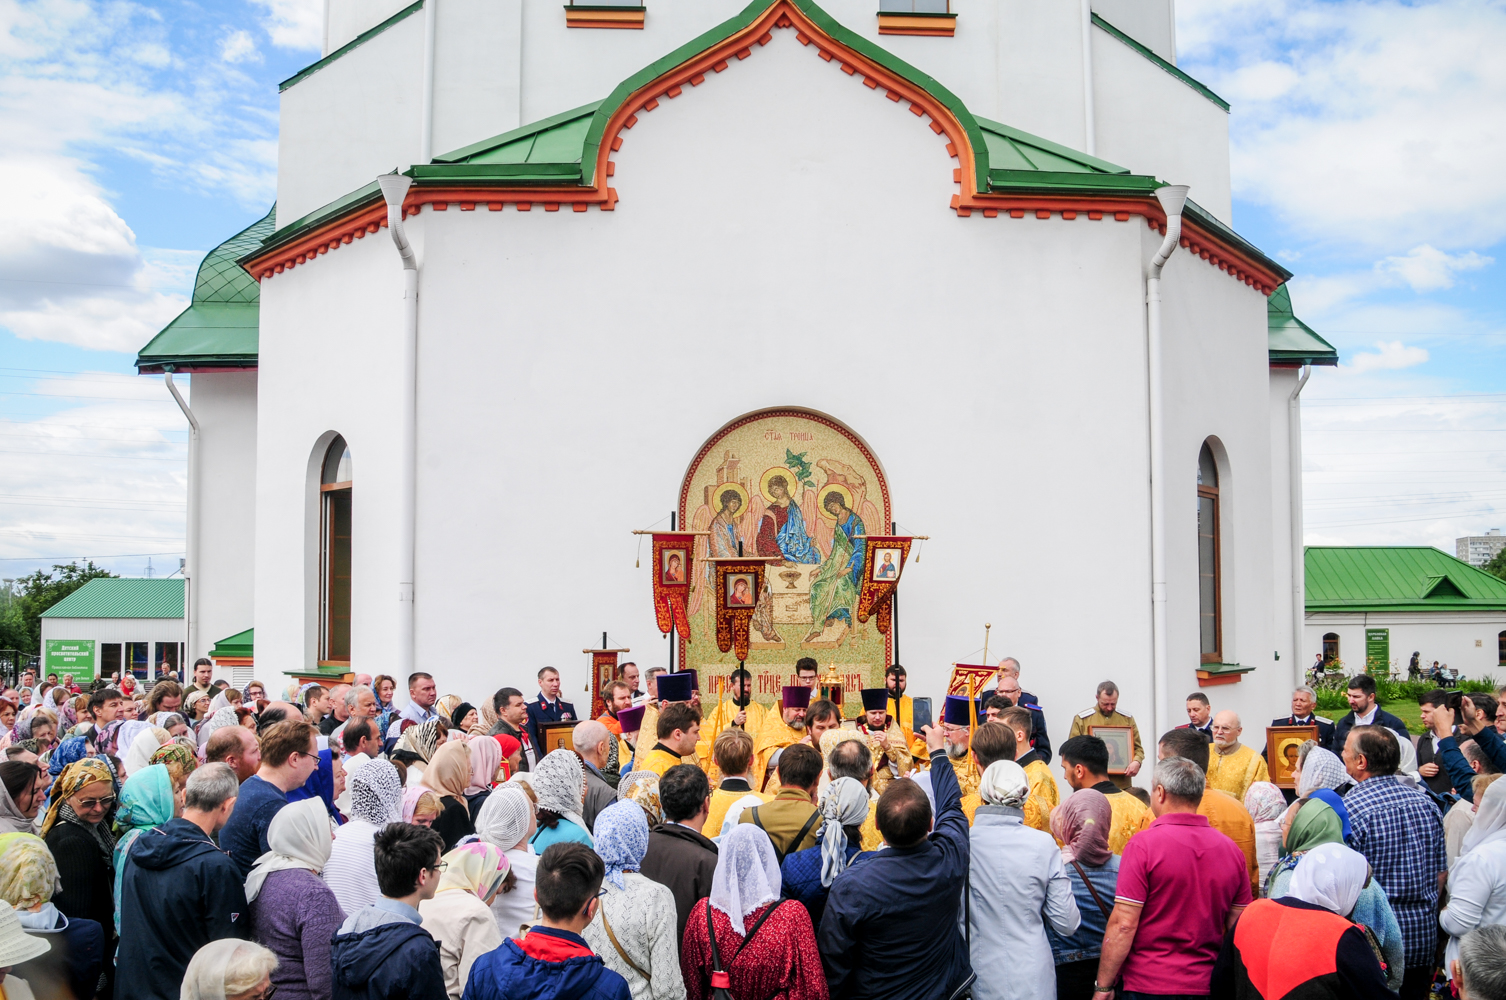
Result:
{"points": [[70, 656], [1377, 651]]}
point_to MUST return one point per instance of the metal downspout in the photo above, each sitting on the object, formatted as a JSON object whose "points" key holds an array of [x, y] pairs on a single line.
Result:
{"points": [[394, 190], [1299, 561], [191, 543]]}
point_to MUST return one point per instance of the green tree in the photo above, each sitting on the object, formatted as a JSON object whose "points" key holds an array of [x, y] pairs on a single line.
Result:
{"points": [[1497, 565], [34, 594]]}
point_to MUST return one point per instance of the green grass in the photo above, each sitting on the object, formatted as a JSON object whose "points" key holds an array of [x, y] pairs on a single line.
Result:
{"points": [[1409, 712]]}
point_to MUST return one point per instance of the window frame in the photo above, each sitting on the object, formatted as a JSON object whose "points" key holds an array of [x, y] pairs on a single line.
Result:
{"points": [[1210, 493], [332, 495]]}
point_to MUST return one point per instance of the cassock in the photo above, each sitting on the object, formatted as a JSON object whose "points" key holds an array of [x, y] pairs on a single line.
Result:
{"points": [[1235, 772]]}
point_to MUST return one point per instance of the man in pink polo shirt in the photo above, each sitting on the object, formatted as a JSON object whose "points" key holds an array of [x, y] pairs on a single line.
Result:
{"points": [[1182, 884]]}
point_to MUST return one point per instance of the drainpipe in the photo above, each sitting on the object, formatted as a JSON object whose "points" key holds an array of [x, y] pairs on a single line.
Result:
{"points": [[191, 543], [1172, 198], [426, 123], [1294, 459], [394, 190], [1089, 127]]}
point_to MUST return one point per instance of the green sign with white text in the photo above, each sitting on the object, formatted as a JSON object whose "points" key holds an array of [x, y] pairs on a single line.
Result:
{"points": [[1377, 651], [70, 656]]}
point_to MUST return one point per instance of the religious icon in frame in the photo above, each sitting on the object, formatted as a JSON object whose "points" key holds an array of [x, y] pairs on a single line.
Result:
{"points": [[557, 736], [673, 563], [1282, 744], [1121, 743], [741, 590], [886, 564]]}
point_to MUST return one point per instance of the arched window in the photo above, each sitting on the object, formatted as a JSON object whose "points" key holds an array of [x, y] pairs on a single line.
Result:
{"points": [[1210, 617], [334, 554], [1331, 646], [1501, 649]]}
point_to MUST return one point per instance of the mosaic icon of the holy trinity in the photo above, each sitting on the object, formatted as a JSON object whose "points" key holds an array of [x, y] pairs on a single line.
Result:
{"points": [[804, 490]]}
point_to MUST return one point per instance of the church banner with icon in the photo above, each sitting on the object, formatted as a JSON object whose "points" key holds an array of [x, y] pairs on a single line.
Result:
{"points": [[969, 678], [738, 583], [886, 555], [603, 672], [672, 555]]}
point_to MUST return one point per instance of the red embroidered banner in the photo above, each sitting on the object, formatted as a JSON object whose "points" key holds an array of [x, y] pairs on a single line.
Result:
{"points": [[969, 678], [883, 562], [672, 551], [738, 583], [603, 672]]}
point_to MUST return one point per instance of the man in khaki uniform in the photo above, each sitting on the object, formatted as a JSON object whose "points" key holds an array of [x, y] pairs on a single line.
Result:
{"points": [[1105, 714], [791, 818]]}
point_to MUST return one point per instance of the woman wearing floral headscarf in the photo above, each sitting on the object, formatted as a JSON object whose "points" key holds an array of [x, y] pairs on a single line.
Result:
{"points": [[147, 800], [81, 843], [28, 877], [642, 944], [780, 959], [1082, 824], [559, 781], [1011, 905], [417, 746], [642, 787], [292, 911], [458, 916], [1323, 819], [809, 873], [178, 759], [376, 799], [448, 774], [506, 822]]}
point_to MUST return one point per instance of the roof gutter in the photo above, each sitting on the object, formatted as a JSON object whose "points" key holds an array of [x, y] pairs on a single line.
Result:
{"points": [[1299, 568], [1172, 197], [191, 543], [394, 191]]}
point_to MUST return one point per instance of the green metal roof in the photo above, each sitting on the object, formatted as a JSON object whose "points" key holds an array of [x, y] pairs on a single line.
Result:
{"points": [[240, 644], [1165, 66], [122, 598], [1397, 578], [220, 328], [1291, 340], [351, 45]]}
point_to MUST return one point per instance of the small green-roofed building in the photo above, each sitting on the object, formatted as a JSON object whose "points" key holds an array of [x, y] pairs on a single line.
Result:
{"points": [[1377, 605], [108, 626]]}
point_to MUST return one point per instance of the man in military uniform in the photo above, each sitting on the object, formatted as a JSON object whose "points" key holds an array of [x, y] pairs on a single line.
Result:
{"points": [[1105, 714], [1009, 687], [890, 749]]}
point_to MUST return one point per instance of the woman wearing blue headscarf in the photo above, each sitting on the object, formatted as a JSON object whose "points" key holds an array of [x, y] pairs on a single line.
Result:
{"points": [[147, 800], [635, 930], [326, 783]]}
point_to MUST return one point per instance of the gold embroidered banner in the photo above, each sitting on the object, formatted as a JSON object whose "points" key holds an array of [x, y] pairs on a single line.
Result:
{"points": [[884, 561], [738, 583], [969, 678], [672, 552], [603, 672]]}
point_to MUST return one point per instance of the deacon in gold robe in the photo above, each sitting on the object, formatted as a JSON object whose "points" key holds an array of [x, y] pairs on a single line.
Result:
{"points": [[1085, 764], [735, 707], [777, 733], [677, 728], [1232, 766], [902, 709], [1044, 796], [890, 748]]}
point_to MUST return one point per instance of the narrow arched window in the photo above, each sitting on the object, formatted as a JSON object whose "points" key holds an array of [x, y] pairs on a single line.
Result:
{"points": [[1210, 617], [334, 554], [1501, 649], [1331, 647]]}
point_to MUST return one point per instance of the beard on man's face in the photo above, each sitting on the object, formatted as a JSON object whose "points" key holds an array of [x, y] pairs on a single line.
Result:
{"points": [[796, 724], [956, 751], [743, 700]]}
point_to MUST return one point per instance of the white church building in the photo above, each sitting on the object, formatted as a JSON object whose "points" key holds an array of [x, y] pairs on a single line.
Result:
{"points": [[934, 259]]}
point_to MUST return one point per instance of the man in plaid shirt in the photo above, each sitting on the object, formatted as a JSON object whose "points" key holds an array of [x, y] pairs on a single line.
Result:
{"points": [[1398, 830]]}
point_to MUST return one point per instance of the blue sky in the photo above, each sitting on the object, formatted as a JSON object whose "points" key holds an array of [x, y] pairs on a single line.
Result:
{"points": [[1366, 146]]}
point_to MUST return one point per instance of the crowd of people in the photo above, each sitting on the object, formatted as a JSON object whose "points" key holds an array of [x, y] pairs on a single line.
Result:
{"points": [[190, 840]]}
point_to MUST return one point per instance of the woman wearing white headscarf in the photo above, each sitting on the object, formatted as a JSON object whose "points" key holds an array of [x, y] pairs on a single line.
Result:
{"points": [[809, 873], [228, 969], [219, 720], [143, 744], [559, 781], [1018, 883], [767, 946], [506, 821], [376, 799], [1477, 882], [126, 737], [292, 911], [1321, 769], [1336, 959], [636, 928]]}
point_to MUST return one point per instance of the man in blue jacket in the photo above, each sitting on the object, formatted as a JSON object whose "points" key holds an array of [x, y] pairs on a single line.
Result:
{"points": [[891, 927], [547, 707], [552, 961], [1476, 725], [178, 891], [1363, 711], [381, 952]]}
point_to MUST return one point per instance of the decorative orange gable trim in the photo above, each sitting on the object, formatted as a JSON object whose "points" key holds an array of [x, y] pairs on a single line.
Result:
{"points": [[603, 17], [717, 59]]}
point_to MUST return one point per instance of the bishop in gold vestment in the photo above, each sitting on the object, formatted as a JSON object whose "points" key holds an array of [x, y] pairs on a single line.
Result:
{"points": [[778, 732]]}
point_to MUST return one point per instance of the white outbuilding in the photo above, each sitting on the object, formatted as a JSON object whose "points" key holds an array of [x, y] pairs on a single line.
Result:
{"points": [[726, 265]]}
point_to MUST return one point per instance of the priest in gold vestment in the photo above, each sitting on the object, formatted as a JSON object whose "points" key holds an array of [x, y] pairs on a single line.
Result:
{"points": [[890, 748], [735, 708], [1232, 766], [778, 732]]}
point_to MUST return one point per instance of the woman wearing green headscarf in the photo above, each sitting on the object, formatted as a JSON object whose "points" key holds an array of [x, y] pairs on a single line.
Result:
{"points": [[1322, 819], [147, 800]]}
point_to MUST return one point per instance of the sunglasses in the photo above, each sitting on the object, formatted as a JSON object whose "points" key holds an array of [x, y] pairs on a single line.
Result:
{"points": [[105, 801]]}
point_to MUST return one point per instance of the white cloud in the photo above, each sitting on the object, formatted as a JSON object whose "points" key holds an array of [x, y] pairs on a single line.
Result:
{"points": [[294, 24], [239, 46], [1388, 356], [1428, 269], [1342, 108]]}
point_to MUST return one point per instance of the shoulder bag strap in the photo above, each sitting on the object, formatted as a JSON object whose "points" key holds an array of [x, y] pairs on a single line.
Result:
{"points": [[756, 821], [754, 929], [810, 822], [1085, 881], [618, 945], [716, 955]]}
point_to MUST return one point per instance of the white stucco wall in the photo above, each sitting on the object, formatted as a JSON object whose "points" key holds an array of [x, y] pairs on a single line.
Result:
{"points": [[783, 238], [223, 588], [1282, 382], [1446, 636]]}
